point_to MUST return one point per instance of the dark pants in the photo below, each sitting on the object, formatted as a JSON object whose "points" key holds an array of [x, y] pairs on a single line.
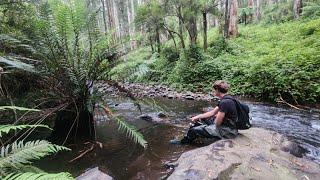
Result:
{"points": [[204, 129]]}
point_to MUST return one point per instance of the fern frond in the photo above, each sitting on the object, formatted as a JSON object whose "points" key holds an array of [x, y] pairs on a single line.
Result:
{"points": [[18, 154], [15, 63], [7, 128], [38, 176], [17, 108], [131, 131]]}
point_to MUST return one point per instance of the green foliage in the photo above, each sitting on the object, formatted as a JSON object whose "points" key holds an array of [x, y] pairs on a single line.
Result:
{"points": [[133, 65], [131, 131], [277, 61], [311, 9], [219, 46], [17, 108], [17, 156], [7, 128], [278, 13], [38, 176], [171, 54], [265, 61]]}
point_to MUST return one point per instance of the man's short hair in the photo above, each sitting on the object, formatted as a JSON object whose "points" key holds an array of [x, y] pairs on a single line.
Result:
{"points": [[221, 86]]}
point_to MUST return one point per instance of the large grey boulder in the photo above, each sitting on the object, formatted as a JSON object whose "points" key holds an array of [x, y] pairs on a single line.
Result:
{"points": [[94, 174], [255, 154]]}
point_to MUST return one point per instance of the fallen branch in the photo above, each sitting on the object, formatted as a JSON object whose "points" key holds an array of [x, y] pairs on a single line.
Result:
{"points": [[82, 154], [285, 102]]}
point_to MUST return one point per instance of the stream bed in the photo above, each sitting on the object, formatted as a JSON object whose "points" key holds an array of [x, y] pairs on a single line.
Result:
{"points": [[122, 159]]}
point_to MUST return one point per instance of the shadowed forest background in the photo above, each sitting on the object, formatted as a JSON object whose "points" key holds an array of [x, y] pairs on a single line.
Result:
{"points": [[54, 52]]}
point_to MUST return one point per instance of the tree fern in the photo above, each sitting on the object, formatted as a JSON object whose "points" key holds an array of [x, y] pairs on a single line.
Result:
{"points": [[12, 62], [19, 153], [131, 131], [7, 128], [38, 176]]}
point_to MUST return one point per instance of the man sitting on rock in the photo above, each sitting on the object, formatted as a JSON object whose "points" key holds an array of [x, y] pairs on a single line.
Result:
{"points": [[224, 117]]}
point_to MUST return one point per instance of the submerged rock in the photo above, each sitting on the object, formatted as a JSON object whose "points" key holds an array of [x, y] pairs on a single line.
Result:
{"points": [[255, 154], [94, 174], [154, 117]]}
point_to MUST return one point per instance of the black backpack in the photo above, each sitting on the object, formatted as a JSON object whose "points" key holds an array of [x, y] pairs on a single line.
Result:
{"points": [[243, 121]]}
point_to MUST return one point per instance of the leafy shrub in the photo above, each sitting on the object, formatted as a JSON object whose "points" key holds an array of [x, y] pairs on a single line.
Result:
{"points": [[219, 46]]}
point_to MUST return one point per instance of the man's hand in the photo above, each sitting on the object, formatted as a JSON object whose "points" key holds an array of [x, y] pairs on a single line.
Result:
{"points": [[194, 119]]}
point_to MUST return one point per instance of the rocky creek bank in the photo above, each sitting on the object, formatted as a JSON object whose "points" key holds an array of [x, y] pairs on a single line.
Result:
{"points": [[255, 154], [142, 90]]}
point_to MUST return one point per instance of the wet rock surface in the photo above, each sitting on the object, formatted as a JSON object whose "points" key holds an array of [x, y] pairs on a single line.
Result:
{"points": [[255, 154], [143, 90]]}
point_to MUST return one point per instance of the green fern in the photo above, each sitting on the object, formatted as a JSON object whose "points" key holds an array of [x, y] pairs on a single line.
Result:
{"points": [[7, 128], [38, 176], [12, 62], [17, 108], [131, 131], [18, 154]]}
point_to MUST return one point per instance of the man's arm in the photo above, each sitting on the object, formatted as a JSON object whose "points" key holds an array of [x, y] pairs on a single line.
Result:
{"points": [[219, 118], [206, 115]]}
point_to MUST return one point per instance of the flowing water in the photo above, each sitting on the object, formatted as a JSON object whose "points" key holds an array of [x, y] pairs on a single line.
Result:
{"points": [[122, 159]]}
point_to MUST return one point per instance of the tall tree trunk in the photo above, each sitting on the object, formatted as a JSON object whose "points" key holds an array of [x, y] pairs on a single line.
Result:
{"points": [[258, 10], [226, 19], [129, 23], [250, 5], [116, 19], [181, 28], [192, 30], [133, 42], [205, 24], [104, 16], [158, 39], [233, 28], [297, 8]]}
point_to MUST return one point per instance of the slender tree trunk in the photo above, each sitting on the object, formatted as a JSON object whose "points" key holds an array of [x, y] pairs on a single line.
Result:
{"points": [[172, 37], [151, 43], [250, 5], [129, 23], [192, 30], [205, 24], [258, 10], [133, 42], [116, 19], [297, 8], [226, 19], [158, 39], [181, 28], [233, 28], [104, 16]]}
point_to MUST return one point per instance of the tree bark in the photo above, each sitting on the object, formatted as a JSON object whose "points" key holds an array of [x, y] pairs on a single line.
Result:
{"points": [[233, 28], [158, 39], [297, 8], [181, 28], [104, 16], [192, 30], [226, 19], [258, 11], [129, 23], [133, 42], [205, 26]]}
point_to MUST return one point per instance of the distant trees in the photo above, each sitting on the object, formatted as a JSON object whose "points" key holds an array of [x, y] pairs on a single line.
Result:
{"points": [[297, 8]]}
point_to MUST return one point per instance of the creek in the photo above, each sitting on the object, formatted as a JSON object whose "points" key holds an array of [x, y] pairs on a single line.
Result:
{"points": [[122, 159]]}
